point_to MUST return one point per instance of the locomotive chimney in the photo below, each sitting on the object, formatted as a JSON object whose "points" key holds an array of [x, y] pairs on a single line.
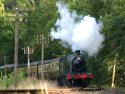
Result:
{"points": [[77, 52]]}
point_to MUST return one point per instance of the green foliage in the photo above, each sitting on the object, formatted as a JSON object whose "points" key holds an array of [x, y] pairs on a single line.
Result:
{"points": [[112, 14], [39, 16], [7, 81]]}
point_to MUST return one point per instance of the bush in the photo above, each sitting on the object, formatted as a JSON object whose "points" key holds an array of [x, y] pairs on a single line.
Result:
{"points": [[8, 80]]}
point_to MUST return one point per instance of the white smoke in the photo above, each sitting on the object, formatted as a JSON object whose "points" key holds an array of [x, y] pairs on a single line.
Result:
{"points": [[82, 34]]}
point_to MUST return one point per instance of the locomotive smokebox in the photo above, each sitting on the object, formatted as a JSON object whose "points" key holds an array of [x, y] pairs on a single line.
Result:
{"points": [[77, 52]]}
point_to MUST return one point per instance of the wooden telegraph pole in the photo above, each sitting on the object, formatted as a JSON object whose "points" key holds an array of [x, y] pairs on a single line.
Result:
{"points": [[42, 56], [5, 70], [40, 40], [28, 51], [5, 64], [28, 61], [114, 71], [16, 46], [113, 74]]}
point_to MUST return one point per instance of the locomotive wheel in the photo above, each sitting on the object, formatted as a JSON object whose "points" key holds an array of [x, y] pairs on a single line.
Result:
{"points": [[62, 82], [85, 83], [70, 83], [80, 83]]}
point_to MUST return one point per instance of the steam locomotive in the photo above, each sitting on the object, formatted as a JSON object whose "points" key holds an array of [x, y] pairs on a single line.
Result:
{"points": [[73, 70]]}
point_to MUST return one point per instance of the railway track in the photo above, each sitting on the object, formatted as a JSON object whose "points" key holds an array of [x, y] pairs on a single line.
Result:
{"points": [[72, 90], [88, 90], [48, 91], [91, 89]]}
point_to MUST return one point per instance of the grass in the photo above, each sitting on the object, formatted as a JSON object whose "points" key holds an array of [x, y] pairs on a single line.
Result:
{"points": [[8, 80]]}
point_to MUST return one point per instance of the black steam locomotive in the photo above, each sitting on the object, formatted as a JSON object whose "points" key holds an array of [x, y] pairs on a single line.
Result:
{"points": [[73, 71]]}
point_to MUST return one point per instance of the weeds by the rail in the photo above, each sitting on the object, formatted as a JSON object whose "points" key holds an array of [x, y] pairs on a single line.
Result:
{"points": [[8, 80]]}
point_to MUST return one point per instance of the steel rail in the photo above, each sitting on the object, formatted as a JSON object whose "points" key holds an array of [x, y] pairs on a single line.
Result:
{"points": [[47, 91]]}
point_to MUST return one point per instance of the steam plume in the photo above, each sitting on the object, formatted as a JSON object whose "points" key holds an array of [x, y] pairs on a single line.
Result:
{"points": [[81, 33]]}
